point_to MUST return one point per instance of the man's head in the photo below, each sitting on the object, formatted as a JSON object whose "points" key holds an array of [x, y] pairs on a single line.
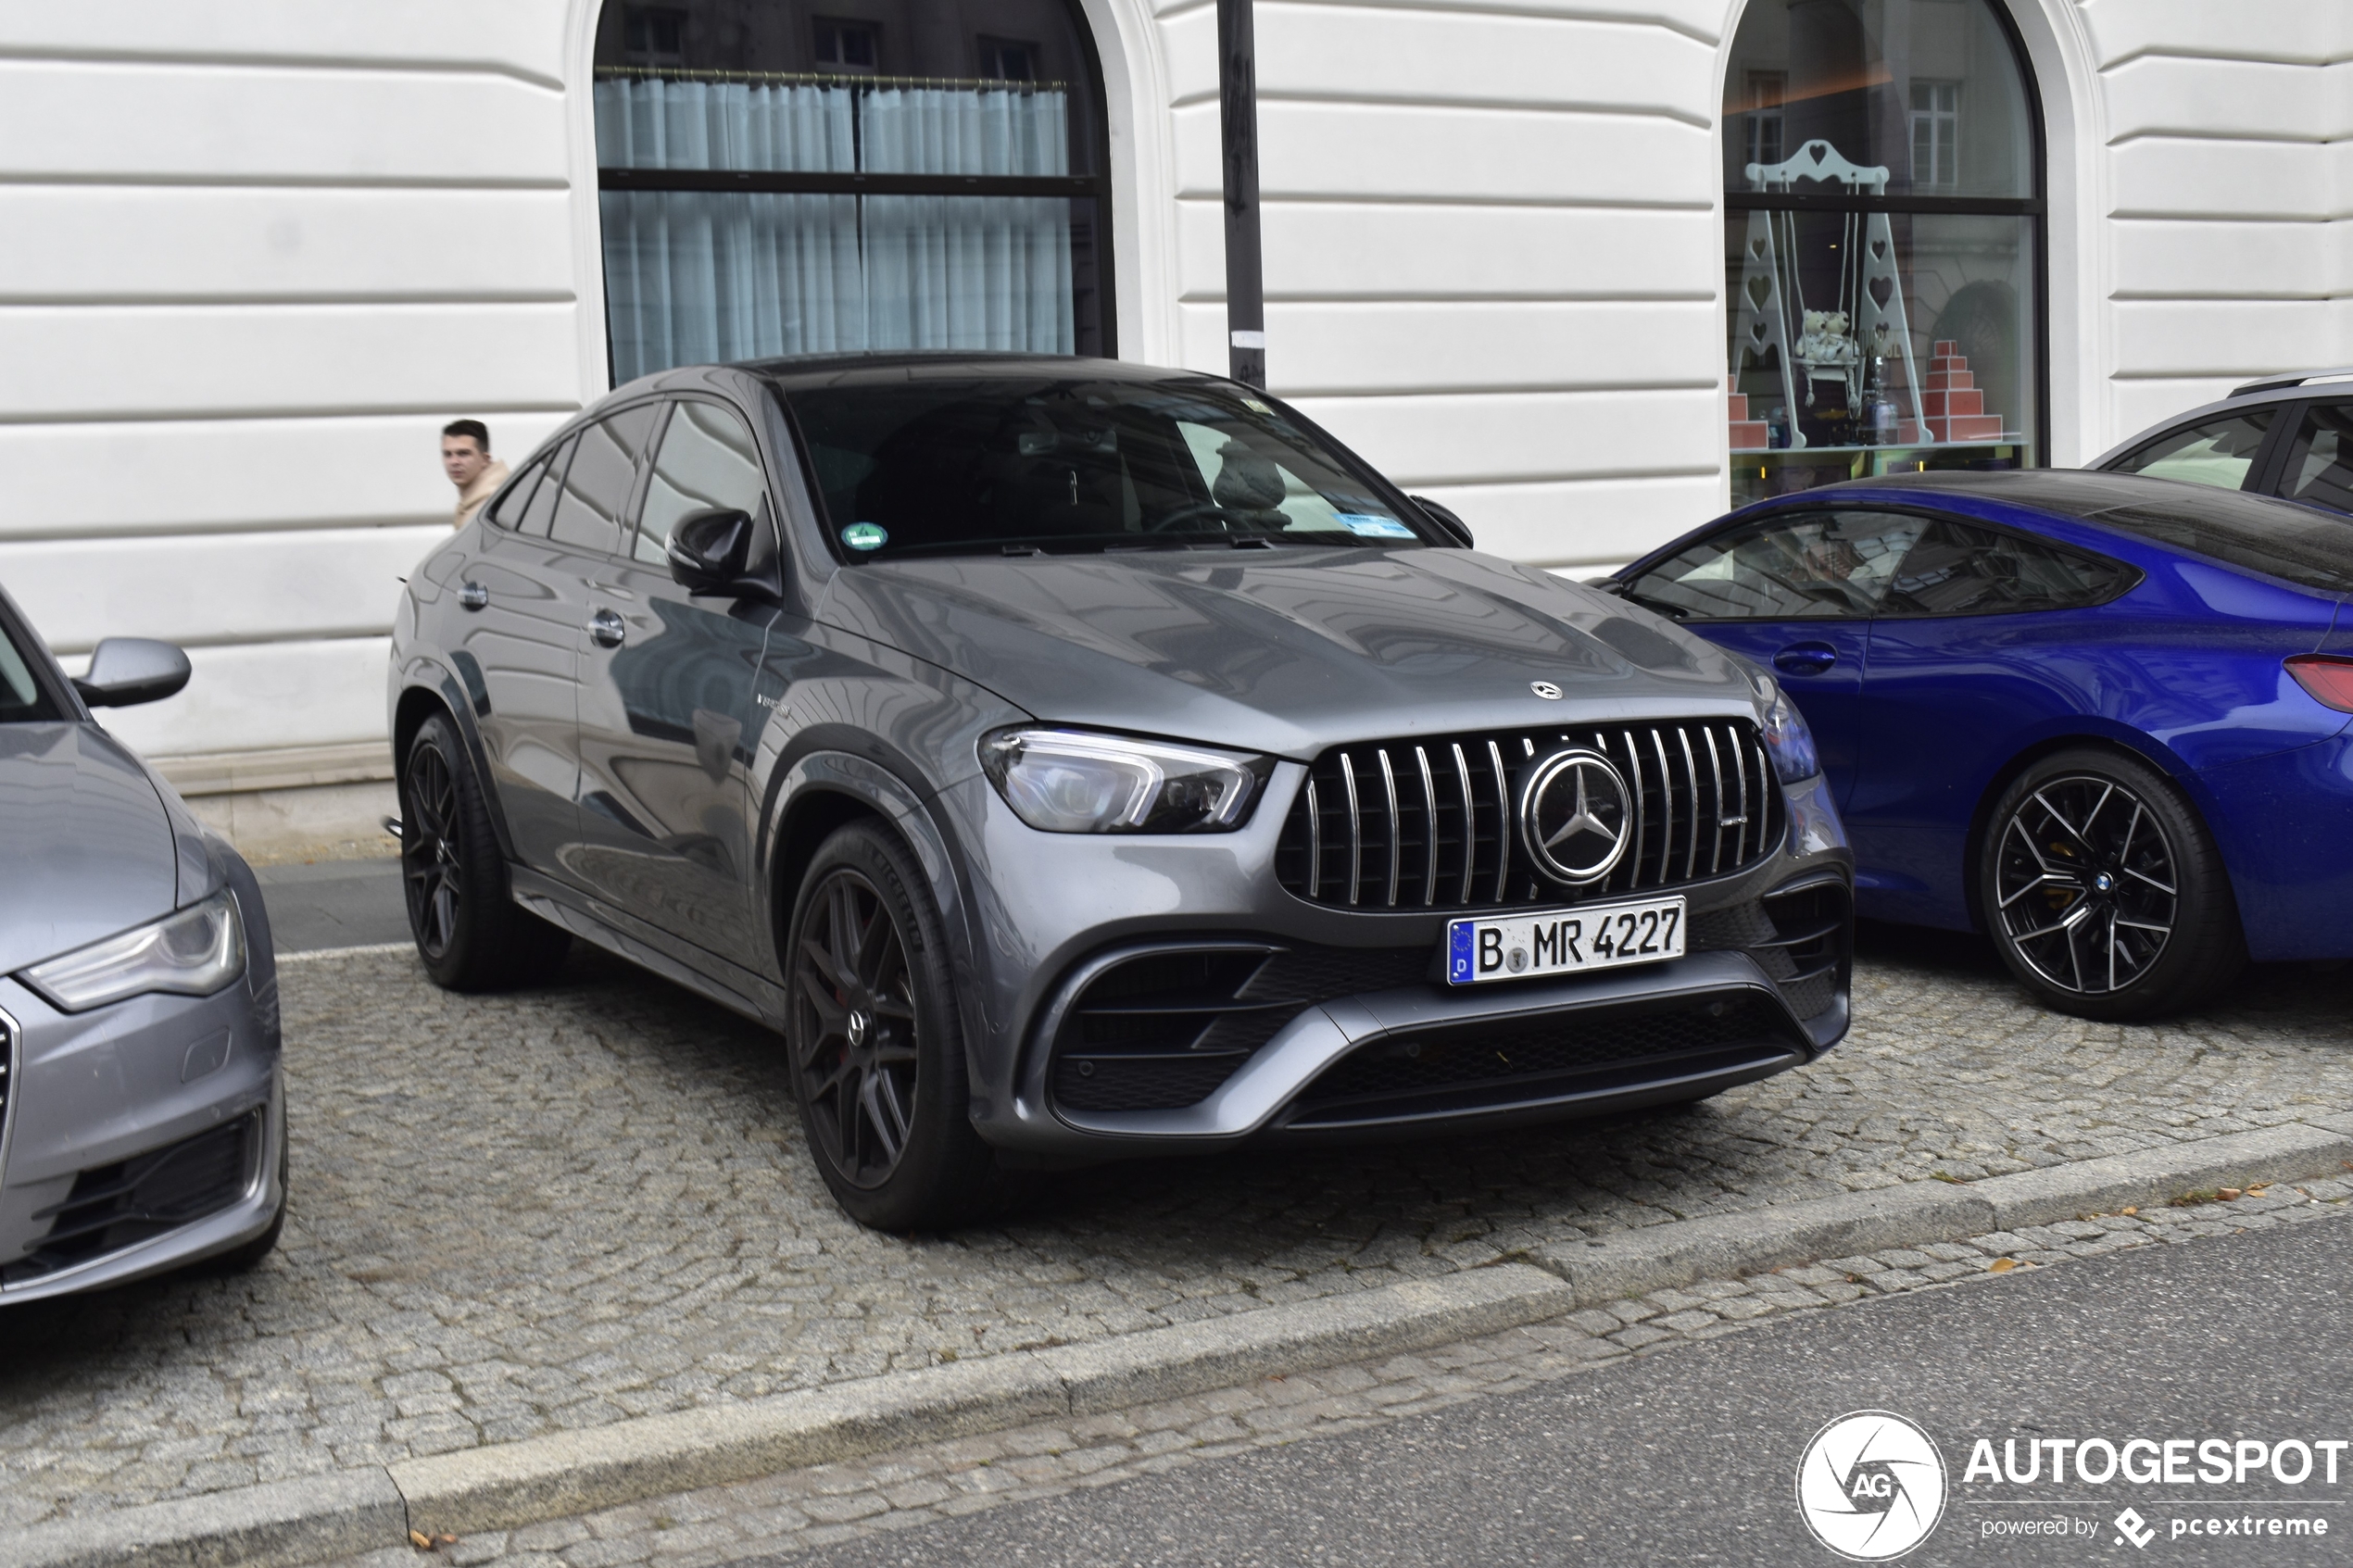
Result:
{"points": [[465, 450]]}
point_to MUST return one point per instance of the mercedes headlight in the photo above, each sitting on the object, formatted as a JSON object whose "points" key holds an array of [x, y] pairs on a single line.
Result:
{"points": [[1788, 740], [192, 953], [1068, 781]]}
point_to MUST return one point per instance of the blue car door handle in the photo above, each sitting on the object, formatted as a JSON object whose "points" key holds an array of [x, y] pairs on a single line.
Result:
{"points": [[1805, 659]]}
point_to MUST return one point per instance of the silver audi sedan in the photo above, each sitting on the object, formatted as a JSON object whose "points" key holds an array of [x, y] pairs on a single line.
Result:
{"points": [[142, 1105]]}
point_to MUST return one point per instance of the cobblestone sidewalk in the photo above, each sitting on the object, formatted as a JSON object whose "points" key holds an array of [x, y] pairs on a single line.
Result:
{"points": [[812, 1508], [528, 1214]]}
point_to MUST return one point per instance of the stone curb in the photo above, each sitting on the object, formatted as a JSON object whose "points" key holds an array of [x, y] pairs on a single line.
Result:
{"points": [[284, 1523], [1727, 1246]]}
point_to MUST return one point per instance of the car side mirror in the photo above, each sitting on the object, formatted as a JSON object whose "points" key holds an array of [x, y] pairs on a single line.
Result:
{"points": [[1445, 519], [128, 670], [1609, 586], [711, 552]]}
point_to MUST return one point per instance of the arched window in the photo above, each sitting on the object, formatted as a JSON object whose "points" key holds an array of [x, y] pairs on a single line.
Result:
{"points": [[821, 176], [1883, 212]]}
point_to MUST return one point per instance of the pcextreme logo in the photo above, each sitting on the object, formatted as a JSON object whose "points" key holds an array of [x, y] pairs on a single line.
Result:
{"points": [[1871, 1485]]}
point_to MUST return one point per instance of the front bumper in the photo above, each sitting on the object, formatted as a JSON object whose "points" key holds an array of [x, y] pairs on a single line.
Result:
{"points": [[138, 1137], [1362, 1054]]}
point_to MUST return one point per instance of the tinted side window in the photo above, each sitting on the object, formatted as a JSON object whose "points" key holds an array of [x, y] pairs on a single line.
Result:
{"points": [[2319, 466], [2218, 453], [1792, 566], [596, 489], [707, 461], [508, 512], [1958, 569], [542, 508]]}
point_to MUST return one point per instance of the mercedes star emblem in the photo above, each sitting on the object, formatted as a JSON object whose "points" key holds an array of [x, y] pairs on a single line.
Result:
{"points": [[1575, 815], [1545, 689]]}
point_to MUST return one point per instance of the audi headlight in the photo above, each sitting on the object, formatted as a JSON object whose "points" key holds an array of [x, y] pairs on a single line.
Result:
{"points": [[1789, 741], [192, 953], [1068, 781]]}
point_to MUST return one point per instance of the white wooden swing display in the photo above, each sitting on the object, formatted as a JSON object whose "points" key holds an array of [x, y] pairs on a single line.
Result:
{"points": [[1870, 293]]}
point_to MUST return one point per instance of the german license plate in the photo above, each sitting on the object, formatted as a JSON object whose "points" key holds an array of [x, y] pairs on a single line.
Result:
{"points": [[1563, 941]]}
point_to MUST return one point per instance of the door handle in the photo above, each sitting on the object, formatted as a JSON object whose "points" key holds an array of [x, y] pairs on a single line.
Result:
{"points": [[472, 596], [1805, 659], [607, 629]]}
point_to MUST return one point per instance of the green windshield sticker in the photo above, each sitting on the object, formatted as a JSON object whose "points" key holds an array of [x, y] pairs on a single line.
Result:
{"points": [[865, 537]]}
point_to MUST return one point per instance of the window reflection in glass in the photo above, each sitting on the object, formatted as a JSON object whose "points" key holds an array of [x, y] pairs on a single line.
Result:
{"points": [[1930, 89], [1958, 569], [1803, 566], [2220, 453], [2319, 466]]}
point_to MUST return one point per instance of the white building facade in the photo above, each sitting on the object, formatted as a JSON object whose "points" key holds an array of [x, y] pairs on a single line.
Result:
{"points": [[252, 258]]}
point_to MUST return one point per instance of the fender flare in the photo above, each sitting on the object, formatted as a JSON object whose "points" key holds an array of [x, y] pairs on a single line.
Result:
{"points": [[908, 812]]}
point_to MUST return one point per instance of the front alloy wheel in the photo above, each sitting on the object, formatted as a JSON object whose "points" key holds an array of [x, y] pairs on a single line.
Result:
{"points": [[2104, 892], [857, 1032], [874, 1042]]}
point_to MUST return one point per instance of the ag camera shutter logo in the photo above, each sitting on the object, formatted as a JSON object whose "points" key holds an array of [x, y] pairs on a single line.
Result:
{"points": [[1871, 1485]]}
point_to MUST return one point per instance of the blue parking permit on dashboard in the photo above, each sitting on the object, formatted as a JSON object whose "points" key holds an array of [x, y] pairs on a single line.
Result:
{"points": [[1368, 527]]}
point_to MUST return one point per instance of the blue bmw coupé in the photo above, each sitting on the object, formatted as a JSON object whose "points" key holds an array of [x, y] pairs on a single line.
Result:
{"points": [[2102, 717]]}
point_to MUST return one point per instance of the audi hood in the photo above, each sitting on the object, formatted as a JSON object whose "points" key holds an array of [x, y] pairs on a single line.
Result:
{"points": [[87, 848], [1286, 651]]}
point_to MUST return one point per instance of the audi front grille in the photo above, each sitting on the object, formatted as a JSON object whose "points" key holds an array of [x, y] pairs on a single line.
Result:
{"points": [[1432, 823]]}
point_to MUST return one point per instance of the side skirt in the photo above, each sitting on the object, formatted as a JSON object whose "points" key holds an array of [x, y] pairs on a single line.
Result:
{"points": [[708, 976]]}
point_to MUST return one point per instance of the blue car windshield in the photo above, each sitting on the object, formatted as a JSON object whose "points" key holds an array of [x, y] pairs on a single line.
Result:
{"points": [[1014, 465], [23, 698], [2312, 549]]}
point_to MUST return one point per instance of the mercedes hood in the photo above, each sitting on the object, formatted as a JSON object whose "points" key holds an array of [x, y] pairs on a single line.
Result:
{"points": [[1287, 652]]}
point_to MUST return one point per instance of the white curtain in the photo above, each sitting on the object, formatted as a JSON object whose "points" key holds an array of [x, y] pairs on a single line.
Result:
{"points": [[694, 276]]}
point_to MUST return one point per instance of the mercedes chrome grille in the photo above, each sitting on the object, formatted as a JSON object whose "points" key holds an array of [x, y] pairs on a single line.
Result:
{"points": [[1433, 823]]}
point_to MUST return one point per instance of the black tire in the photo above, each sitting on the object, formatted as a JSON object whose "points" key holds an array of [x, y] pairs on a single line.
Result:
{"points": [[471, 934], [873, 1040], [2103, 891]]}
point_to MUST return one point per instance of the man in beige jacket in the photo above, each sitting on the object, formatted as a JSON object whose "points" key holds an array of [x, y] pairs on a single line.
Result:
{"points": [[465, 457]]}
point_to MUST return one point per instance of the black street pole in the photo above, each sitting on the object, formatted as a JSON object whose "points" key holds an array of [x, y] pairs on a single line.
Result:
{"points": [[1238, 134]]}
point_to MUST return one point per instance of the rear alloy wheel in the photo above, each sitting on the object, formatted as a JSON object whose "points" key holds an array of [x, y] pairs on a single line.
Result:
{"points": [[2104, 892], [877, 1058], [469, 931]]}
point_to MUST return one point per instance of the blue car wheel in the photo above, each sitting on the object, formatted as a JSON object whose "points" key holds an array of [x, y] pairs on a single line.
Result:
{"points": [[2105, 893]]}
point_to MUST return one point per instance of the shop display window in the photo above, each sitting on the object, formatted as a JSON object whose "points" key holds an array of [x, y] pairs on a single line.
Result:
{"points": [[1883, 246]]}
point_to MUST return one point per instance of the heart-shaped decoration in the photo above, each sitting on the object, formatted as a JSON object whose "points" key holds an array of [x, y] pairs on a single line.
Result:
{"points": [[1817, 150], [1760, 289], [1756, 248], [1881, 288], [1879, 250], [1756, 329]]}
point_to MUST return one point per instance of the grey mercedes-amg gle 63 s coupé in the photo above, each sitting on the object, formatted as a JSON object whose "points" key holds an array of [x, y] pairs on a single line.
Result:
{"points": [[142, 1109], [1073, 760]]}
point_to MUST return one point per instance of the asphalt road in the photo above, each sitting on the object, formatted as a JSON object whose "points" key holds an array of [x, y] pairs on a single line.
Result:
{"points": [[1692, 1456], [333, 904]]}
